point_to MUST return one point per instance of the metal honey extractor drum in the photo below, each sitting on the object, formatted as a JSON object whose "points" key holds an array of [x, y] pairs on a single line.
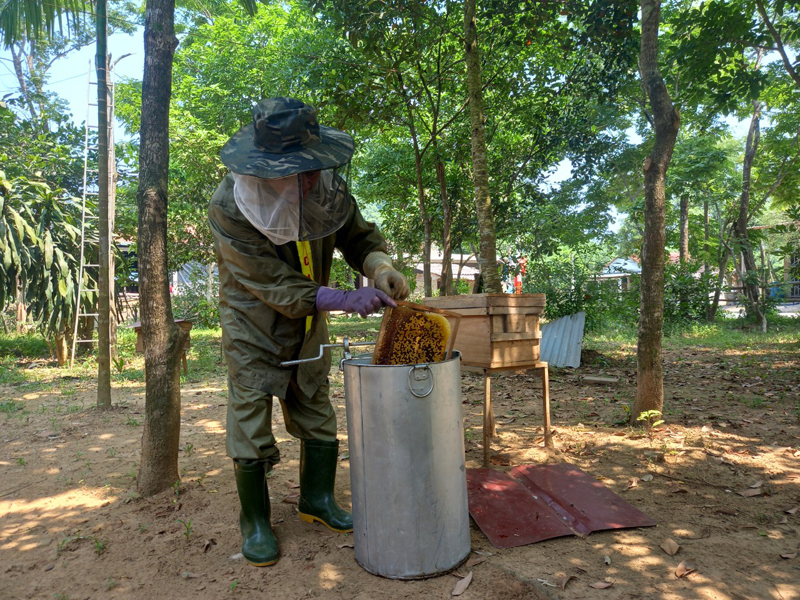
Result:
{"points": [[407, 470]]}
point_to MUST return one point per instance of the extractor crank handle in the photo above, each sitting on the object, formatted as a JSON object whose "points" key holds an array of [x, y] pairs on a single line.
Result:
{"points": [[345, 343]]}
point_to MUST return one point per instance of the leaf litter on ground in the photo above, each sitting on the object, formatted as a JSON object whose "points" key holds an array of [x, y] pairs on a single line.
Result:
{"points": [[670, 546], [684, 568], [462, 585], [563, 581], [475, 560]]}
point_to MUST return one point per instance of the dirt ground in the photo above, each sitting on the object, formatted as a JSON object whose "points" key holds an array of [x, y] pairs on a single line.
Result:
{"points": [[72, 526]]}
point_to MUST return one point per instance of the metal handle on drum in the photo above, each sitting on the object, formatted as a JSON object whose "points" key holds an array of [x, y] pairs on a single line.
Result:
{"points": [[416, 378], [346, 344]]}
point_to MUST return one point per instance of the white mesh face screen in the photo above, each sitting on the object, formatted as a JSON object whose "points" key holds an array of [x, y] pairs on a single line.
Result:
{"points": [[304, 206]]}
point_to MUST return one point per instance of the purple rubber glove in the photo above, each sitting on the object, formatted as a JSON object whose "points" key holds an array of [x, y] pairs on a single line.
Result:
{"points": [[363, 301]]}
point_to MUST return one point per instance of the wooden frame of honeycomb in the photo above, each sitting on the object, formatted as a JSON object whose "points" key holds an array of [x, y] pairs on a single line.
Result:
{"points": [[415, 334]]}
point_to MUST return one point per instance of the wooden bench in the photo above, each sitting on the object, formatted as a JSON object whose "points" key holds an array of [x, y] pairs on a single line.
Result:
{"points": [[184, 324]]}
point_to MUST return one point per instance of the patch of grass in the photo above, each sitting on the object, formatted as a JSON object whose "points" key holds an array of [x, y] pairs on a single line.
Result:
{"points": [[9, 371], [24, 345], [355, 328], [187, 527], [11, 406], [727, 334]]}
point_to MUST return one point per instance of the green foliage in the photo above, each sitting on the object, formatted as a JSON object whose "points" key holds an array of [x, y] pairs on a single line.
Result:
{"points": [[195, 301], [651, 418], [342, 275], [187, 527], [11, 406], [569, 282]]}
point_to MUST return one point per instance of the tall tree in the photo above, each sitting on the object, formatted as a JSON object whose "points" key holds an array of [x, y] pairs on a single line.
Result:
{"points": [[665, 121], [162, 338], [103, 183], [480, 173]]}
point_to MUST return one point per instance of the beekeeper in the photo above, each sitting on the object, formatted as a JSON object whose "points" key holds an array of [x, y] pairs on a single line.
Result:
{"points": [[276, 219]]}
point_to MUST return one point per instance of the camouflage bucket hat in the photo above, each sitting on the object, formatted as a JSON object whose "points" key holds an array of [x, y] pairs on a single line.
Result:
{"points": [[284, 139]]}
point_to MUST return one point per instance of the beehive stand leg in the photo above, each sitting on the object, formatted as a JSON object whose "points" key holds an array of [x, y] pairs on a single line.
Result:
{"points": [[488, 421], [185, 364], [548, 438]]}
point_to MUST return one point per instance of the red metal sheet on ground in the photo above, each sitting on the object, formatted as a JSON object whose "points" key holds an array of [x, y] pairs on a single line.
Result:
{"points": [[507, 512], [592, 505], [534, 503]]}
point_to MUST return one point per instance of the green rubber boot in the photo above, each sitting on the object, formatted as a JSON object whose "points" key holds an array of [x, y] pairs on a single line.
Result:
{"points": [[259, 545], [317, 476]]}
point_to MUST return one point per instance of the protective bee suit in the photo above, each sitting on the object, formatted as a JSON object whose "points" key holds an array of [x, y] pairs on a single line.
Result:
{"points": [[276, 220]]}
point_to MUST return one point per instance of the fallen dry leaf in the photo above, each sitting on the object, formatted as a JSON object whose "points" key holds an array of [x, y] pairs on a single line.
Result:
{"points": [[632, 483], [757, 484], [686, 567], [790, 511], [291, 499], [788, 556], [751, 492], [783, 521], [188, 575], [475, 560], [346, 545], [607, 559], [670, 546], [292, 485], [483, 552], [601, 585], [462, 585], [648, 477], [562, 582], [208, 543]]}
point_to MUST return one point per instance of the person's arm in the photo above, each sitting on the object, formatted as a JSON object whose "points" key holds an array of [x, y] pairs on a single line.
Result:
{"points": [[254, 262], [364, 249]]}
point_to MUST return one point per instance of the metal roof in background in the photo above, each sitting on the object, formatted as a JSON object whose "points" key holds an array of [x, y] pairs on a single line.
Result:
{"points": [[562, 340]]}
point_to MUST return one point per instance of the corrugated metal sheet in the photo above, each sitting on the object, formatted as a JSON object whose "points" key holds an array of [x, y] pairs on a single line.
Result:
{"points": [[561, 341]]}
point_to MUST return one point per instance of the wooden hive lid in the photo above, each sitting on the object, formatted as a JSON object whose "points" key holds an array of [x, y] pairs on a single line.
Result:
{"points": [[488, 301]]}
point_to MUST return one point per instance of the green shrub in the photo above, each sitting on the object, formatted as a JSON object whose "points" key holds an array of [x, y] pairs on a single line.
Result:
{"points": [[195, 302]]}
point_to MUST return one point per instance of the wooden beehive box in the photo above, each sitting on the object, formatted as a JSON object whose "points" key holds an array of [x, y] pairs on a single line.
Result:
{"points": [[497, 330]]}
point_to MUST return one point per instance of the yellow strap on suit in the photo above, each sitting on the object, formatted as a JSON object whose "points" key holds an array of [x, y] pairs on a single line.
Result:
{"points": [[307, 265]]}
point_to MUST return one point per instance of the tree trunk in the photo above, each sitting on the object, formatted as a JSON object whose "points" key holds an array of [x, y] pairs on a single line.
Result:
{"points": [[684, 251], [61, 350], [22, 311], [650, 375], [113, 176], [447, 253], [426, 221], [104, 246], [487, 258], [706, 251], [162, 338], [711, 313], [210, 281], [741, 240], [16, 58], [427, 239]]}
